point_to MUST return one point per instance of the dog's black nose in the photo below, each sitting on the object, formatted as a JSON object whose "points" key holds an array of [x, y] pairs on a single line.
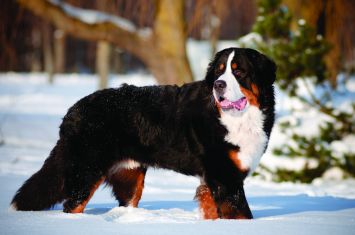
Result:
{"points": [[220, 85]]}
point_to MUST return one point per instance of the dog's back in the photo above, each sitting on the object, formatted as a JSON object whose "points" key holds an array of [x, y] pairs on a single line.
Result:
{"points": [[216, 129]]}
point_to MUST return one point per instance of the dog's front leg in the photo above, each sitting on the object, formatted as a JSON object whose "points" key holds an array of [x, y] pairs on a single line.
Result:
{"points": [[206, 202], [230, 201]]}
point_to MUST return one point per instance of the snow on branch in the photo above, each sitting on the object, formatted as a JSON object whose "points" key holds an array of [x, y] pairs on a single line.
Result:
{"points": [[92, 25], [93, 16]]}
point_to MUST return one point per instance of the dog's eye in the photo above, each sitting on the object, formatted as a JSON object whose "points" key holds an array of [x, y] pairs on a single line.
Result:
{"points": [[234, 66], [221, 67]]}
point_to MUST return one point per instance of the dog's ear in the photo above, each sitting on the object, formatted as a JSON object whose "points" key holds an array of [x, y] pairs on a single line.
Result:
{"points": [[266, 68], [210, 75]]}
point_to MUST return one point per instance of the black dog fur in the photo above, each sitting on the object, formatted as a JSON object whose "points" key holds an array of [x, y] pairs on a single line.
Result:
{"points": [[169, 127]]}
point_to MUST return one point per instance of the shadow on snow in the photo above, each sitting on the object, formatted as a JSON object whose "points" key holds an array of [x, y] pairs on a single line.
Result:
{"points": [[264, 206]]}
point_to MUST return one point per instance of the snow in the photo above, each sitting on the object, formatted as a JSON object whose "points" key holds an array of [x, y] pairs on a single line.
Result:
{"points": [[201, 53], [301, 22], [30, 113]]}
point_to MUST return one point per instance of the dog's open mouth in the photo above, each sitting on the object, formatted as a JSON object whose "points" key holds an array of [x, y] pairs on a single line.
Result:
{"points": [[239, 104]]}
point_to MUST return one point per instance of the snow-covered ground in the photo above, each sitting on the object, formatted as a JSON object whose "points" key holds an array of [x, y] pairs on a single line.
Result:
{"points": [[30, 113]]}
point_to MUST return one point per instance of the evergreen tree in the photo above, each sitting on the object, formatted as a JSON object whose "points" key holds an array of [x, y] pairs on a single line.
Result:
{"points": [[299, 56]]}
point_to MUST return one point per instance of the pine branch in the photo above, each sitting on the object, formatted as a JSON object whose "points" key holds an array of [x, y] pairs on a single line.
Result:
{"points": [[316, 102]]}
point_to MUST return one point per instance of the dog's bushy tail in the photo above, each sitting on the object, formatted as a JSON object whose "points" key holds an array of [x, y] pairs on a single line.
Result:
{"points": [[43, 189]]}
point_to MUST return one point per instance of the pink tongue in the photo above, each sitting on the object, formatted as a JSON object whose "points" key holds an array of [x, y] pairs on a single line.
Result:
{"points": [[239, 104]]}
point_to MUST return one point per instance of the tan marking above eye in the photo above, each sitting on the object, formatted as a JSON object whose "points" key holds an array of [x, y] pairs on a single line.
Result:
{"points": [[221, 67], [234, 66]]}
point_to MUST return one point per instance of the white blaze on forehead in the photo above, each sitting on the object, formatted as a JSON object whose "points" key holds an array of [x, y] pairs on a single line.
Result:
{"points": [[229, 63], [232, 92]]}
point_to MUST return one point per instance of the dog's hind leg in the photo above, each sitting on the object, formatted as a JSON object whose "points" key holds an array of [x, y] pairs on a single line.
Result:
{"points": [[78, 202], [81, 181], [127, 185]]}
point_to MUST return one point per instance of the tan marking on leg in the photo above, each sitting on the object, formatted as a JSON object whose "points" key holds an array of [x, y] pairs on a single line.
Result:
{"points": [[227, 212], [139, 189], [128, 185], [206, 202]]}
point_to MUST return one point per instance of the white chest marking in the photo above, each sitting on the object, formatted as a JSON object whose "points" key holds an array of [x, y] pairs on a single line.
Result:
{"points": [[245, 129]]}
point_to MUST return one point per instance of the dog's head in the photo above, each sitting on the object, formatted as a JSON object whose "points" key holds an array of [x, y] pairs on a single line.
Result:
{"points": [[238, 77]]}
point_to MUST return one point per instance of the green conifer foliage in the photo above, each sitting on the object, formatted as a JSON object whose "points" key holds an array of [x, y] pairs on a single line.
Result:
{"points": [[299, 56]]}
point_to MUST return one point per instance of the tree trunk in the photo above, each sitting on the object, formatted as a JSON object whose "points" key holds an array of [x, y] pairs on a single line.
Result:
{"points": [[170, 64], [36, 37], [59, 51], [218, 11], [47, 50], [102, 63], [334, 34], [163, 50], [116, 65]]}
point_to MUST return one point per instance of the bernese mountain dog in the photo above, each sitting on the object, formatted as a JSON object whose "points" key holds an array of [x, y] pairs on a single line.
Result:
{"points": [[216, 129]]}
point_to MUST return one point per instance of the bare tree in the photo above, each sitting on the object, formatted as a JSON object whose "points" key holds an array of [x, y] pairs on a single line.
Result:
{"points": [[59, 51], [103, 62], [47, 51], [102, 55], [162, 48]]}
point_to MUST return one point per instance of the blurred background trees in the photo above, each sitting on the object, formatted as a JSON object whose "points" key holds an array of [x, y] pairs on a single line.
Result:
{"points": [[331, 19], [35, 40], [158, 43], [312, 43]]}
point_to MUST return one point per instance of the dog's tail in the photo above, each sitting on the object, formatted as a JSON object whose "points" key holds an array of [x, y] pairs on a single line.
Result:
{"points": [[43, 189]]}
